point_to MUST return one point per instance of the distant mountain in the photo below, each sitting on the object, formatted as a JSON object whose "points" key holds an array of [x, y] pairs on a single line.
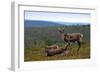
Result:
{"points": [[41, 23], [74, 23]]}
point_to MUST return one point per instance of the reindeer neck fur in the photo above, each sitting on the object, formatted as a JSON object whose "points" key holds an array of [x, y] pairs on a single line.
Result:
{"points": [[63, 36]]}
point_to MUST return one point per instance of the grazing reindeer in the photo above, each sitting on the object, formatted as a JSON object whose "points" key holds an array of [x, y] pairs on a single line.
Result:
{"points": [[71, 38], [51, 51]]}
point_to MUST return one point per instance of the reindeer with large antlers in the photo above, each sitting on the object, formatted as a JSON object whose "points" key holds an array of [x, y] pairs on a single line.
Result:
{"points": [[71, 37]]}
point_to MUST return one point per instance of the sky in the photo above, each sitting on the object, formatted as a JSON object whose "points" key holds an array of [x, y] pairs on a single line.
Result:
{"points": [[57, 17]]}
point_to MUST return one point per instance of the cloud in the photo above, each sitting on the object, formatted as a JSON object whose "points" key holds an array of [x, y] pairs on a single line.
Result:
{"points": [[57, 17]]}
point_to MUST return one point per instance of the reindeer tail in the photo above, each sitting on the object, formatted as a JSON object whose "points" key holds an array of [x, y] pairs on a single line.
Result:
{"points": [[81, 36]]}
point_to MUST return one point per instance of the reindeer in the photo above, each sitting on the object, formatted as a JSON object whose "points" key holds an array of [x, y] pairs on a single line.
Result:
{"points": [[71, 37], [51, 51], [52, 47]]}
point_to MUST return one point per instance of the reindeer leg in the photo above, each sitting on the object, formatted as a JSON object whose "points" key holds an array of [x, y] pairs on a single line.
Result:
{"points": [[69, 49], [79, 44]]}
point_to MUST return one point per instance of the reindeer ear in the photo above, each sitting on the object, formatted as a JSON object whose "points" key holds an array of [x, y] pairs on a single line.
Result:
{"points": [[63, 29]]}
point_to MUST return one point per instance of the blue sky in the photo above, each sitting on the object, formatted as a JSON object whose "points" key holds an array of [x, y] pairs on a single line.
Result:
{"points": [[58, 17]]}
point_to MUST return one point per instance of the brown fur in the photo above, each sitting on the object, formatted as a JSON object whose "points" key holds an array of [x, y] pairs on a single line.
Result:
{"points": [[54, 51], [71, 37]]}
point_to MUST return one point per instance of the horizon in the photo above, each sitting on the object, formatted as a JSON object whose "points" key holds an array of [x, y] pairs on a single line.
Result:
{"points": [[41, 23], [58, 21]]}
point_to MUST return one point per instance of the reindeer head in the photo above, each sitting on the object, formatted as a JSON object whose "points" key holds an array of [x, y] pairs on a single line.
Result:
{"points": [[61, 30]]}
